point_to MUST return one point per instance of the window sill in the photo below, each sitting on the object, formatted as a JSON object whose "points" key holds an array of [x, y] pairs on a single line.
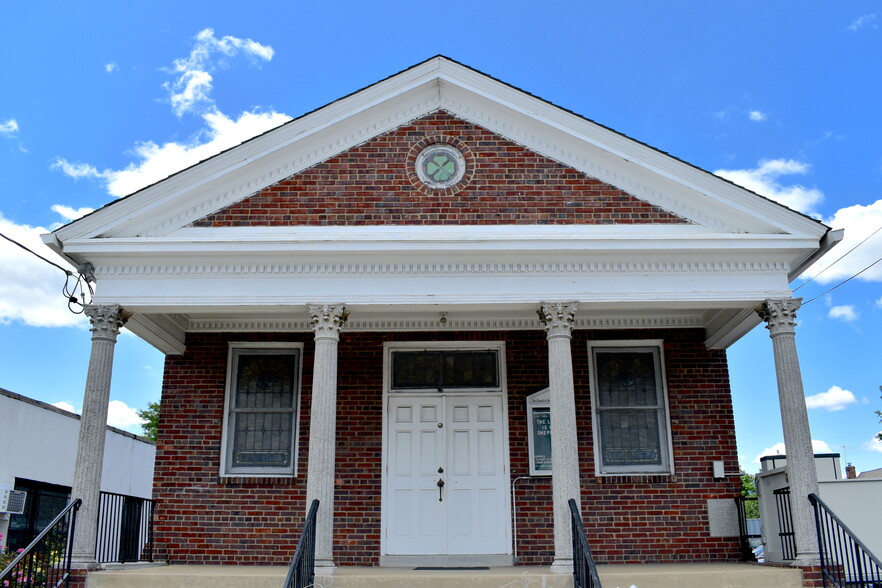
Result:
{"points": [[241, 480]]}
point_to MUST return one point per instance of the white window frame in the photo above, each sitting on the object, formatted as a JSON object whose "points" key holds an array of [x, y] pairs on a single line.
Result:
{"points": [[656, 346], [235, 348]]}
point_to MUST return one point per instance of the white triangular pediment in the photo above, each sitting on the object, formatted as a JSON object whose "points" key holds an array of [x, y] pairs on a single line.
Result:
{"points": [[710, 202]]}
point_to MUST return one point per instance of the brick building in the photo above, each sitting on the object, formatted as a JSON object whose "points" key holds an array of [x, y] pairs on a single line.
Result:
{"points": [[348, 305]]}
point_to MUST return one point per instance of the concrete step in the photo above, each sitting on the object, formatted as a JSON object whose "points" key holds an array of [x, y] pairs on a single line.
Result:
{"points": [[612, 576]]}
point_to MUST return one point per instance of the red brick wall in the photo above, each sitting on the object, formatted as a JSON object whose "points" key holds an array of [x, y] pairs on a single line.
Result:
{"points": [[374, 184], [202, 518]]}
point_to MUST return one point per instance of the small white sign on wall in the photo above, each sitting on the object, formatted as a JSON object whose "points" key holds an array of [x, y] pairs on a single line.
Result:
{"points": [[539, 432]]}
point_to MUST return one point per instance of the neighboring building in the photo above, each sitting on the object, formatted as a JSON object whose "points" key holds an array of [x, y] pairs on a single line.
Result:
{"points": [[39, 444], [856, 501], [348, 306], [871, 474]]}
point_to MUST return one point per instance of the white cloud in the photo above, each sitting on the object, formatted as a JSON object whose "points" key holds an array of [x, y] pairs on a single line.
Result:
{"points": [[833, 399], [111, 67], [76, 170], [866, 20], [192, 88], [157, 162], [847, 313], [874, 444], [757, 116], [859, 222], [30, 291], [120, 415], [879, 303], [65, 406], [9, 128], [779, 449], [71, 213], [764, 180]]}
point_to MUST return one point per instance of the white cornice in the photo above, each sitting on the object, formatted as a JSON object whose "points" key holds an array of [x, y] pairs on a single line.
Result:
{"points": [[404, 323], [772, 267]]}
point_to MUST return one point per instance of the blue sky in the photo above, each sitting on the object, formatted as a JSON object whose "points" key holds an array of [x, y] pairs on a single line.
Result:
{"points": [[99, 99]]}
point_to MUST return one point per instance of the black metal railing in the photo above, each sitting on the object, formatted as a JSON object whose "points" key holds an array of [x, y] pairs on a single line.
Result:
{"points": [[785, 523], [125, 529], [845, 560], [744, 534], [46, 560], [301, 572], [584, 569]]}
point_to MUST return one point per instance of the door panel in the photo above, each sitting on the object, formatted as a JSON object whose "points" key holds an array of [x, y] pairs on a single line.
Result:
{"points": [[415, 518]]}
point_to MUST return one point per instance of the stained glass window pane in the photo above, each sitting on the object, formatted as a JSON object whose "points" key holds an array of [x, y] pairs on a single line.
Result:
{"points": [[262, 439], [630, 437], [265, 381], [626, 379], [434, 370], [416, 369]]}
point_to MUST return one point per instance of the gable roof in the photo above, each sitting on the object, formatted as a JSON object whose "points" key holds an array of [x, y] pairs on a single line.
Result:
{"points": [[440, 83], [738, 247]]}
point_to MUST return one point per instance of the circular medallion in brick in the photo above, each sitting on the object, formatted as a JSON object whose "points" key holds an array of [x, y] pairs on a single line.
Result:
{"points": [[439, 165]]}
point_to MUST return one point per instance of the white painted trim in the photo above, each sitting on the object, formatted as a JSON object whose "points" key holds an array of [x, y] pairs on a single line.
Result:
{"points": [[232, 347], [502, 392], [667, 468]]}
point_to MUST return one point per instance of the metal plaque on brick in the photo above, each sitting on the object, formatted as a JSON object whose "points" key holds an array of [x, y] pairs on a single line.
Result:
{"points": [[539, 432]]}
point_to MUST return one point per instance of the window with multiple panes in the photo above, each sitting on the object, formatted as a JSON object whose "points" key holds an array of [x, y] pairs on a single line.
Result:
{"points": [[440, 370], [263, 391], [631, 429]]}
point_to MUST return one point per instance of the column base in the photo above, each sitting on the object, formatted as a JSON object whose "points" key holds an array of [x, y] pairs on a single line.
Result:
{"points": [[325, 567], [806, 560], [87, 564], [562, 566]]}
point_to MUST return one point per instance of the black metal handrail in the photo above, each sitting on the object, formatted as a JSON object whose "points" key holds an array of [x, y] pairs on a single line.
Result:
{"points": [[845, 560], [744, 535], [785, 523], [125, 529], [301, 572], [584, 569], [46, 560]]}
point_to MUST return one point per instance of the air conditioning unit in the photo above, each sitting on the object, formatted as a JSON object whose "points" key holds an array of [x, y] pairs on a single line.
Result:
{"points": [[12, 501]]}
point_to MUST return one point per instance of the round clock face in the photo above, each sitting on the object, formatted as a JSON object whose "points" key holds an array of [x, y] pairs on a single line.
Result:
{"points": [[440, 166]]}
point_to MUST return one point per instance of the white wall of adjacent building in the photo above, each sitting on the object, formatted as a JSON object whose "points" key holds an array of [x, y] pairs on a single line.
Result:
{"points": [[855, 501], [39, 443]]}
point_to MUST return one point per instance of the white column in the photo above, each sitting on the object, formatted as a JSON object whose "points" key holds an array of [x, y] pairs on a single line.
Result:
{"points": [[106, 323], [780, 318], [559, 319], [327, 321]]}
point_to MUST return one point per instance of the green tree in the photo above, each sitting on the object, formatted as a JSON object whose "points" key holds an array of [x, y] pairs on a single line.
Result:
{"points": [[151, 415], [748, 489]]}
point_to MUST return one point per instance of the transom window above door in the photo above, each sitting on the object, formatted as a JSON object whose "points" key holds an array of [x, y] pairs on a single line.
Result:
{"points": [[439, 370]]}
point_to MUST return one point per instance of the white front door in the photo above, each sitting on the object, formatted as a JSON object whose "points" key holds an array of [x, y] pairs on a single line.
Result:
{"points": [[447, 476]]}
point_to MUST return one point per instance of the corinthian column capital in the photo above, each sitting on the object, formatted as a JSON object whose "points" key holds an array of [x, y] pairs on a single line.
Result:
{"points": [[779, 314], [107, 320], [558, 318], [327, 320]]}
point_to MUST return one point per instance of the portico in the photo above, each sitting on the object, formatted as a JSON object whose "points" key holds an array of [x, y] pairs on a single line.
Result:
{"points": [[283, 307]]}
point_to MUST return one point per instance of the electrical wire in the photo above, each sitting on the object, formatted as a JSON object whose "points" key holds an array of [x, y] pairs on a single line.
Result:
{"points": [[838, 260], [76, 285], [843, 282]]}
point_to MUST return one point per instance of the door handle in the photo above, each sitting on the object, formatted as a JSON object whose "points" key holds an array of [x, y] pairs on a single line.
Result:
{"points": [[440, 484]]}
